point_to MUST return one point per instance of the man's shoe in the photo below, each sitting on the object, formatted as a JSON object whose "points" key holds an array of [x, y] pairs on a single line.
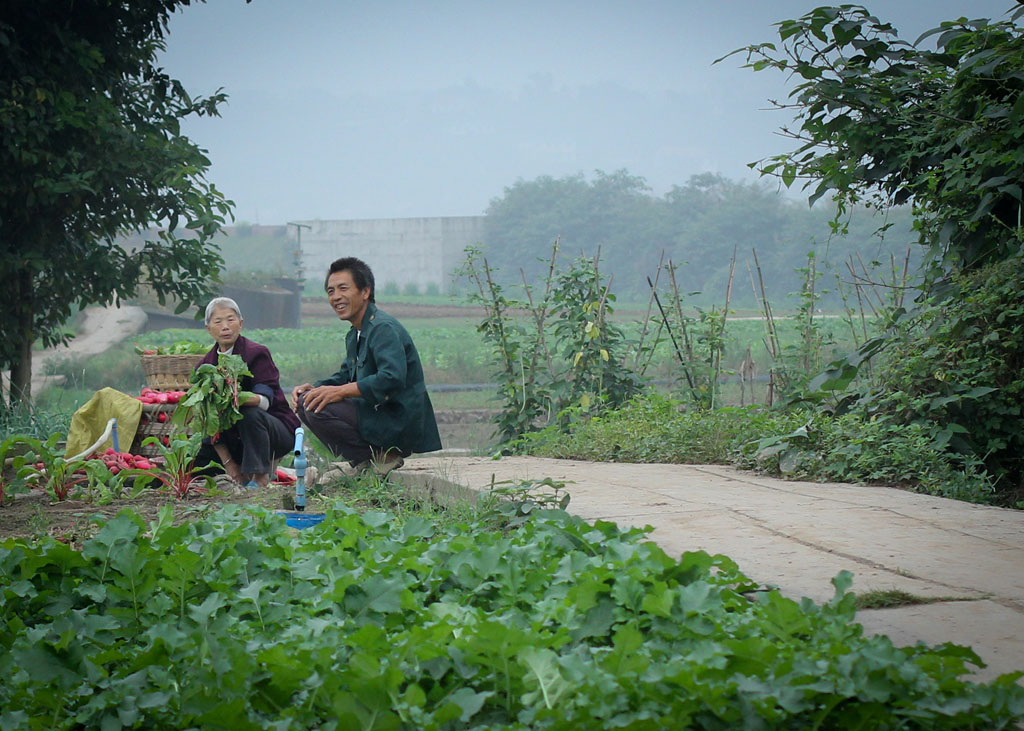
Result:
{"points": [[329, 477], [353, 470], [387, 463], [342, 470]]}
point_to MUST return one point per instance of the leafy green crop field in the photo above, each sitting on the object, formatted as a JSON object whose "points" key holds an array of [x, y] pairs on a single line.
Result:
{"points": [[452, 351], [369, 622]]}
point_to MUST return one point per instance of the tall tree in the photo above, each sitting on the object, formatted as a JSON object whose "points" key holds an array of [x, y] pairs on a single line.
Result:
{"points": [[613, 213], [698, 225], [881, 120], [91, 148]]}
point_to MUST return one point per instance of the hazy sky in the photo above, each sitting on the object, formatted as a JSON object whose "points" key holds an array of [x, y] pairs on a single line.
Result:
{"points": [[342, 109]]}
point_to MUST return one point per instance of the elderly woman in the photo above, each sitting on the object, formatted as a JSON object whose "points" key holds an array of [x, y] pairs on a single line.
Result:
{"points": [[266, 430]]}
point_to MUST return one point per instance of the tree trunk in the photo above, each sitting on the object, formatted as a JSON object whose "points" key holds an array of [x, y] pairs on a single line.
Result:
{"points": [[21, 368], [21, 374]]}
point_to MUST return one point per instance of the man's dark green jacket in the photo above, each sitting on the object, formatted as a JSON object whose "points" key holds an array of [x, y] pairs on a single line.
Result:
{"points": [[394, 410]]}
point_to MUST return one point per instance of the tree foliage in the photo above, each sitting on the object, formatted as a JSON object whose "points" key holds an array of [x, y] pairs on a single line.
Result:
{"points": [[697, 224], [91, 148], [884, 121], [881, 120]]}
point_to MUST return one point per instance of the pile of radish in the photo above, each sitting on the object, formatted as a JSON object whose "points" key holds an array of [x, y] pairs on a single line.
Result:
{"points": [[148, 396], [117, 461]]}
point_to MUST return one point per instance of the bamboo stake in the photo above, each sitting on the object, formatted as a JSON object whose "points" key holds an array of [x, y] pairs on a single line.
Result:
{"points": [[647, 317], [772, 341]]}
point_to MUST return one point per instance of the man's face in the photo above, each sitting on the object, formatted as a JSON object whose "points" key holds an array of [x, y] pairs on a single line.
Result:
{"points": [[224, 327], [348, 301]]}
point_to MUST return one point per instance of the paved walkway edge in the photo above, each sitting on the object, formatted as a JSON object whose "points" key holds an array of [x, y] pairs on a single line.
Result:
{"points": [[968, 559]]}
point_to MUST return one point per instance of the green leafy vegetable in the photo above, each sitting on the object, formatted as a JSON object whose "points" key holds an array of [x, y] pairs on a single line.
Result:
{"points": [[211, 404], [363, 622], [182, 347]]}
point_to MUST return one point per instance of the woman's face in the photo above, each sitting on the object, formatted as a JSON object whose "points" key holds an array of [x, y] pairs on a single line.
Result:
{"points": [[224, 327]]}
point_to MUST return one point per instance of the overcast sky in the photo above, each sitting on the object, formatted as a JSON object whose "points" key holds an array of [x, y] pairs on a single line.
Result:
{"points": [[343, 109]]}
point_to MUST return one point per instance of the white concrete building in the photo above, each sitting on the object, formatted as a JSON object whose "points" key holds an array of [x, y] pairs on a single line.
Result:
{"points": [[401, 251]]}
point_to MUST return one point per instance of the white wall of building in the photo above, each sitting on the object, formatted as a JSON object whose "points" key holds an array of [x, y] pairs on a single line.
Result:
{"points": [[401, 251]]}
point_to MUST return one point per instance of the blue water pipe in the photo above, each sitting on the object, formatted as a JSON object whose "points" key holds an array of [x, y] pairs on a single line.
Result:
{"points": [[113, 433], [300, 471]]}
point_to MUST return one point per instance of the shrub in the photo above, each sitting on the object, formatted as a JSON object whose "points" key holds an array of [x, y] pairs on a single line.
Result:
{"points": [[791, 444], [958, 374], [653, 428], [876, 452]]}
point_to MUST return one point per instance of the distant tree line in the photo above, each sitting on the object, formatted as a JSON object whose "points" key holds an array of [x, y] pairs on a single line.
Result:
{"points": [[697, 226]]}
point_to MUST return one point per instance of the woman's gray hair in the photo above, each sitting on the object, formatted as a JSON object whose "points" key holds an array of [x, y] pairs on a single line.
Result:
{"points": [[218, 302]]}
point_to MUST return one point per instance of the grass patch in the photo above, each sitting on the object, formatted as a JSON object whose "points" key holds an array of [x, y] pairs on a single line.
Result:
{"points": [[34, 420], [888, 598], [367, 492]]}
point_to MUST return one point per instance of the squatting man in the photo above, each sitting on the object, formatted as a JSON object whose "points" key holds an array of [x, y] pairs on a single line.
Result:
{"points": [[374, 411]]}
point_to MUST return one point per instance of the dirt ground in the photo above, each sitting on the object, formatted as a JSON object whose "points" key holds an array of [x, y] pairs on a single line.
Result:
{"points": [[35, 514]]}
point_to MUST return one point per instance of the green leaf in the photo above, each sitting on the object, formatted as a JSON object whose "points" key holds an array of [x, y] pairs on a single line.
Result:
{"points": [[376, 593], [544, 676], [469, 702]]}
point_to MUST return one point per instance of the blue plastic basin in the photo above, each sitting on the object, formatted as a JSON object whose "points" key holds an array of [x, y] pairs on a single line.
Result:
{"points": [[302, 520]]}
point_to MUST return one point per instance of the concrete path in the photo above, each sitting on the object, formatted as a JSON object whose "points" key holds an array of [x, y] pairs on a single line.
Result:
{"points": [[798, 535], [102, 328]]}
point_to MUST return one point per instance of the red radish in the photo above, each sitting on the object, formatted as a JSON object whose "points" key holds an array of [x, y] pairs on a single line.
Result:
{"points": [[143, 464], [161, 417]]}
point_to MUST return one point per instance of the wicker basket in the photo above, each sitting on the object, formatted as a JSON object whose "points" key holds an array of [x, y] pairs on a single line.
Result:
{"points": [[151, 426], [169, 372]]}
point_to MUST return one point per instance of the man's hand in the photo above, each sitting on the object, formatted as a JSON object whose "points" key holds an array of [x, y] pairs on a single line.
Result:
{"points": [[298, 391], [315, 399]]}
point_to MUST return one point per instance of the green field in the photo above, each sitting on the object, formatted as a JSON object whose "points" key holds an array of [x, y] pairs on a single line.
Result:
{"points": [[452, 351]]}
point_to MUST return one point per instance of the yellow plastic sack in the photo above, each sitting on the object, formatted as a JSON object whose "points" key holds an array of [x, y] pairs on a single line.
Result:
{"points": [[89, 422]]}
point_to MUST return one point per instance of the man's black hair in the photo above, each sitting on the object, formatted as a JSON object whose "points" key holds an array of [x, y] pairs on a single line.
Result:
{"points": [[361, 274]]}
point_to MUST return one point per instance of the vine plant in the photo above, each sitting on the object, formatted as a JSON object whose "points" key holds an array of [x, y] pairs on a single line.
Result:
{"points": [[698, 340], [557, 355]]}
